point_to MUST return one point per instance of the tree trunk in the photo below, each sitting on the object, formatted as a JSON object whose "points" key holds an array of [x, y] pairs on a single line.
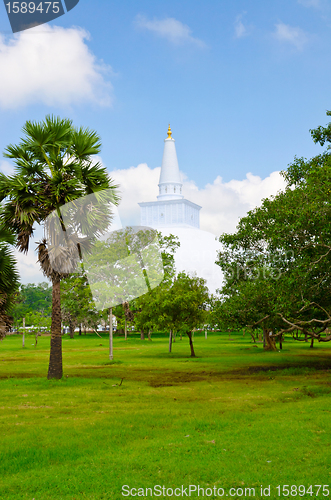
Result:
{"points": [[125, 329], [252, 335], [191, 344], [71, 330], [111, 334], [170, 341], [80, 329], [55, 369], [142, 335], [270, 341], [281, 342], [23, 339], [264, 338], [149, 335], [312, 343]]}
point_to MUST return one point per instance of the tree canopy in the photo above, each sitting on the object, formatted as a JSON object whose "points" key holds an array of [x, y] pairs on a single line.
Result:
{"points": [[276, 265], [54, 166]]}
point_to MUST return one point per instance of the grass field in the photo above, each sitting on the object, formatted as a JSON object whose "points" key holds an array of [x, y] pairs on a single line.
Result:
{"points": [[234, 417]]}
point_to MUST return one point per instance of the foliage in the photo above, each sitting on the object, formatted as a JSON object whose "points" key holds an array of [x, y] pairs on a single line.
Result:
{"points": [[54, 165], [77, 303], [147, 306], [124, 266], [30, 299], [179, 307], [9, 280], [277, 264], [37, 320]]}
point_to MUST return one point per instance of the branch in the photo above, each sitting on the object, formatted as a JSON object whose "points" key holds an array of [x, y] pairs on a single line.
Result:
{"points": [[258, 322], [322, 256], [317, 305]]}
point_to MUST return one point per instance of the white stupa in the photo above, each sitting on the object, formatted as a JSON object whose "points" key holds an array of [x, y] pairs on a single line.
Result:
{"points": [[171, 209], [173, 214]]}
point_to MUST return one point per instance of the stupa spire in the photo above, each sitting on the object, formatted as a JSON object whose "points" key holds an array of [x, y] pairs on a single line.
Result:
{"points": [[170, 184], [171, 209]]}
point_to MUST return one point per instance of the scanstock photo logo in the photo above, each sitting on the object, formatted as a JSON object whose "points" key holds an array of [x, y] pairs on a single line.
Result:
{"points": [[25, 15]]}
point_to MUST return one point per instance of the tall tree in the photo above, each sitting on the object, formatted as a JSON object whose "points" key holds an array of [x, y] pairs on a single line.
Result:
{"points": [[277, 264], [184, 306], [32, 298], [179, 306], [54, 166], [77, 302], [147, 305]]}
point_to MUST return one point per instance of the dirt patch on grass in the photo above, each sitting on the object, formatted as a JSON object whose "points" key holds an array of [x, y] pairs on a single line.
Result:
{"points": [[314, 365], [21, 375], [176, 378]]}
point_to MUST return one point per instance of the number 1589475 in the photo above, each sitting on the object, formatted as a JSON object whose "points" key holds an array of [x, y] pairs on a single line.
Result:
{"points": [[32, 7]]}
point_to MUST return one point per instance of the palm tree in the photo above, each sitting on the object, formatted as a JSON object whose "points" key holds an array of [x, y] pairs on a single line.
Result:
{"points": [[8, 280], [53, 167]]}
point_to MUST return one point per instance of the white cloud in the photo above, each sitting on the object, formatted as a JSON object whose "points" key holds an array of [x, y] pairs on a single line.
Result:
{"points": [[310, 3], [240, 29], [290, 34], [169, 28], [6, 167], [223, 203], [53, 66], [28, 267], [136, 184], [27, 264]]}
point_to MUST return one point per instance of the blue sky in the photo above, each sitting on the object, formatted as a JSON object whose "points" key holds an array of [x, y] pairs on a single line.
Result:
{"points": [[240, 82], [240, 93]]}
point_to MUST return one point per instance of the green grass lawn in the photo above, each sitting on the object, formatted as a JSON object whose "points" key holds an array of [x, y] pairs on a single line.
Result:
{"points": [[234, 417]]}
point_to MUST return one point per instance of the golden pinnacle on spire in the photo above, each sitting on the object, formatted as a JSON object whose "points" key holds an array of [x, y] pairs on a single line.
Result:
{"points": [[169, 132]]}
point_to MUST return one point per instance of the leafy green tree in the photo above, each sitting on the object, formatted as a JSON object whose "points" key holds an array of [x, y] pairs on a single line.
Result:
{"points": [[146, 306], [277, 264], [184, 306], [54, 166], [77, 302], [9, 280], [32, 298], [179, 307], [36, 323]]}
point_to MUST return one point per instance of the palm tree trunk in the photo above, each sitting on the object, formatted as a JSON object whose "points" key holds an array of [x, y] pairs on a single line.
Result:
{"points": [[55, 358]]}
